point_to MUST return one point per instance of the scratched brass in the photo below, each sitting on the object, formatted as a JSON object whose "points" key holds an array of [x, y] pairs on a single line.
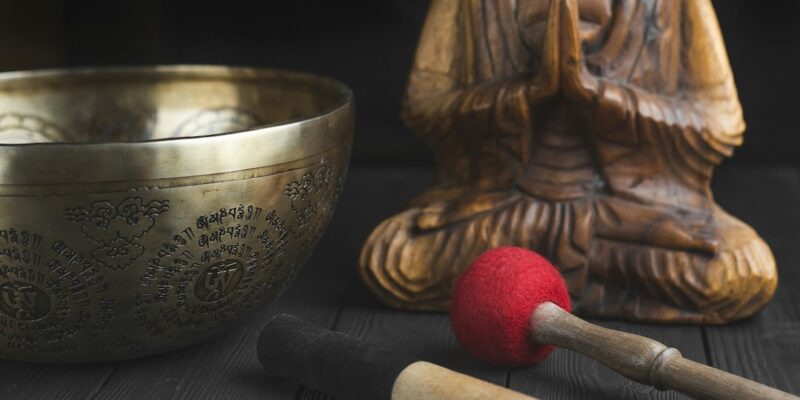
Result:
{"points": [[147, 209]]}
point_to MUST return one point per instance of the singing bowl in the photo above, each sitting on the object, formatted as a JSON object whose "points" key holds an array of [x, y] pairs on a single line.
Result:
{"points": [[146, 209]]}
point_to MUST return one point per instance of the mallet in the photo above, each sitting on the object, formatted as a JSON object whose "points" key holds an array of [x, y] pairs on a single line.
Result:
{"points": [[346, 367], [511, 306]]}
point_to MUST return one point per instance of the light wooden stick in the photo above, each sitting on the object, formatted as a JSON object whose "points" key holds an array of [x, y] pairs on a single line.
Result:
{"points": [[423, 380], [644, 360]]}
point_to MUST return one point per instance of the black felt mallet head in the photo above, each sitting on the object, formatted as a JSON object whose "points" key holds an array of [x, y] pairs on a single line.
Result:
{"points": [[347, 367]]}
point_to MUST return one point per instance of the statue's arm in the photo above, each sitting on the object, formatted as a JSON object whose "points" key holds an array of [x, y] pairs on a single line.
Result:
{"points": [[697, 123], [623, 113], [444, 95]]}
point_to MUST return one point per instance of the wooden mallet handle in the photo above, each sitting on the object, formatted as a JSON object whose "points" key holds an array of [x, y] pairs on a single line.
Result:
{"points": [[346, 367], [644, 360]]}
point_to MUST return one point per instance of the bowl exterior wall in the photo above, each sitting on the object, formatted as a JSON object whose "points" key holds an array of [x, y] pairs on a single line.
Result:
{"points": [[105, 271]]}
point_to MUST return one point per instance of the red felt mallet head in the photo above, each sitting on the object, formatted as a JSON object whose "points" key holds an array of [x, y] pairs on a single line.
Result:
{"points": [[507, 290], [494, 299]]}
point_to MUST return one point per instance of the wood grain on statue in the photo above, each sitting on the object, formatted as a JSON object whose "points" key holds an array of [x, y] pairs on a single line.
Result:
{"points": [[587, 131]]}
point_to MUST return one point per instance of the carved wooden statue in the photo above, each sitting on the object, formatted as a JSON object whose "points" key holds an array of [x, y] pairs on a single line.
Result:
{"points": [[587, 130]]}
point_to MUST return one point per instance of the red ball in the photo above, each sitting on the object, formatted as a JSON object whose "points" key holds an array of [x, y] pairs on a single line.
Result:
{"points": [[493, 301]]}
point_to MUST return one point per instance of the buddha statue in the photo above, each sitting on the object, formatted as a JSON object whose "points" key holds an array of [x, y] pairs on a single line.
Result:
{"points": [[588, 131]]}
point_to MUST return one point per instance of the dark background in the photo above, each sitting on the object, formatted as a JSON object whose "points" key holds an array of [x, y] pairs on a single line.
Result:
{"points": [[367, 44]]}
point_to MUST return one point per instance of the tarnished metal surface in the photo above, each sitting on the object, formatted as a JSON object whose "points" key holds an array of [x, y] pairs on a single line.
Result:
{"points": [[133, 223]]}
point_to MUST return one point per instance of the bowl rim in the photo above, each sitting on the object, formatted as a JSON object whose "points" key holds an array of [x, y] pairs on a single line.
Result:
{"points": [[183, 71], [151, 160]]}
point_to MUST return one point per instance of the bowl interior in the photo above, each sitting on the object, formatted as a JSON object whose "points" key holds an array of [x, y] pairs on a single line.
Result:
{"points": [[142, 104]]}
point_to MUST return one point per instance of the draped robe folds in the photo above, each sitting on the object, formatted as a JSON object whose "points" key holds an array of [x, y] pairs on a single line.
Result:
{"points": [[616, 192]]}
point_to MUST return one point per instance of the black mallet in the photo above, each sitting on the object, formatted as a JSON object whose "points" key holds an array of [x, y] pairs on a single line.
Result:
{"points": [[346, 367]]}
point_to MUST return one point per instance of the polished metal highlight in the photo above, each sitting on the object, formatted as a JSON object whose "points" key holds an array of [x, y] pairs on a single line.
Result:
{"points": [[147, 209]]}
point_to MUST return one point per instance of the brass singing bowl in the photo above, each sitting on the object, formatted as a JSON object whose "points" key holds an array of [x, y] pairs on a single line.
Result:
{"points": [[146, 209]]}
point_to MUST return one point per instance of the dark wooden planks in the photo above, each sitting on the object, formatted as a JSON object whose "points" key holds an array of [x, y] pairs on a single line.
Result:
{"points": [[21, 380], [765, 348], [425, 336]]}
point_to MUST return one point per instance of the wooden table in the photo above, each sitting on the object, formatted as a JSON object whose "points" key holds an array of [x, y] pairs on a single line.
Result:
{"points": [[765, 348]]}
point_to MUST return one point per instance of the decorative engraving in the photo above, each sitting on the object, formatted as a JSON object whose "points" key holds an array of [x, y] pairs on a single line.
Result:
{"points": [[219, 280], [208, 273], [55, 301], [117, 227], [51, 295], [310, 205], [116, 119], [305, 195], [232, 259], [220, 120], [27, 128], [23, 301]]}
